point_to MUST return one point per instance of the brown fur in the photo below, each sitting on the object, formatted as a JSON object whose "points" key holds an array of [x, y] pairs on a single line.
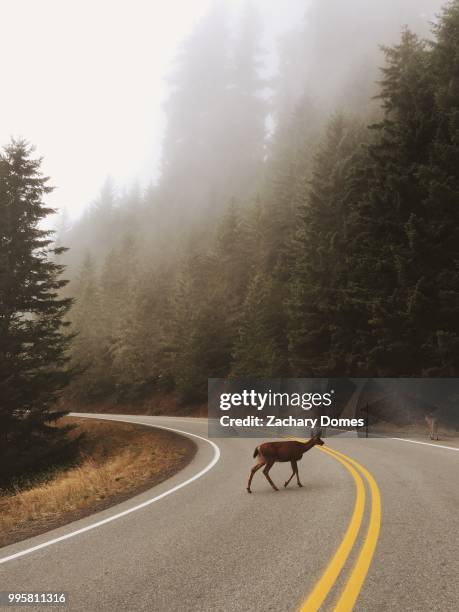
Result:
{"points": [[432, 424], [269, 453]]}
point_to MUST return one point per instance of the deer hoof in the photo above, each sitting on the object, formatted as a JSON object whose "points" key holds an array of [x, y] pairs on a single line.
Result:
{"points": [[249, 491], [285, 484], [299, 484]]}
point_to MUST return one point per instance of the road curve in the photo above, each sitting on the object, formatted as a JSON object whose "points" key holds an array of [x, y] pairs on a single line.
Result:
{"points": [[208, 545]]}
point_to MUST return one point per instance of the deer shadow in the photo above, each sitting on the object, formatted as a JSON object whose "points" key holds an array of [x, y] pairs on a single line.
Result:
{"points": [[315, 485]]}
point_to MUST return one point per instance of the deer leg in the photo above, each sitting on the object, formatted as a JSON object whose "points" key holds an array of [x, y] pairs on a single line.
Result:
{"points": [[268, 466], [293, 473], [252, 472], [297, 475]]}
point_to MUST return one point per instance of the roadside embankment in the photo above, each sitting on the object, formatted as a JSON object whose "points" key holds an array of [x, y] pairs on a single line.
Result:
{"points": [[116, 461]]}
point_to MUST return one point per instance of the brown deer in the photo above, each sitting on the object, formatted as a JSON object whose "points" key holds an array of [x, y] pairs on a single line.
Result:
{"points": [[432, 424], [271, 452]]}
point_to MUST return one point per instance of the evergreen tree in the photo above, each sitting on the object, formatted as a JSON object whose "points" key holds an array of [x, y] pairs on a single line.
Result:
{"points": [[97, 230], [233, 266], [148, 341], [289, 170], [340, 40], [200, 341], [384, 260], [277, 218], [319, 313], [260, 347], [33, 342], [439, 236], [402, 250], [193, 171], [246, 109], [89, 349], [118, 278]]}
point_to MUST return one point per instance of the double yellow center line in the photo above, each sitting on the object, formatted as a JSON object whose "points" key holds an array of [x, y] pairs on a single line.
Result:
{"points": [[359, 572]]}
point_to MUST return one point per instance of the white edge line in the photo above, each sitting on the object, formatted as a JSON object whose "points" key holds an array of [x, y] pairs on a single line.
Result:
{"points": [[427, 444], [72, 534]]}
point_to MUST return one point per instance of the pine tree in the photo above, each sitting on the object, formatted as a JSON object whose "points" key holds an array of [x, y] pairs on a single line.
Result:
{"points": [[289, 165], [33, 341], [98, 228], [402, 252], [315, 48], [246, 109], [89, 349], [193, 172], [117, 280], [440, 236], [260, 347], [384, 256], [273, 222], [233, 266], [202, 348], [148, 340], [319, 315]]}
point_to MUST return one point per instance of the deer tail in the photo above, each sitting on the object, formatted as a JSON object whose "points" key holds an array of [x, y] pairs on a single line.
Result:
{"points": [[255, 452]]}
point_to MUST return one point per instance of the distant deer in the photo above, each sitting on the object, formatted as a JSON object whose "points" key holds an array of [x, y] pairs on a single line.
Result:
{"points": [[271, 452], [432, 424]]}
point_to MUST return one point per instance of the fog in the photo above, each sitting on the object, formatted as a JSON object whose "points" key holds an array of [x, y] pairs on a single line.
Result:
{"points": [[251, 186], [98, 74], [85, 83]]}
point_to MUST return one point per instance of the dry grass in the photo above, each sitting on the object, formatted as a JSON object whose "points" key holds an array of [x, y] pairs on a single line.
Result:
{"points": [[117, 460]]}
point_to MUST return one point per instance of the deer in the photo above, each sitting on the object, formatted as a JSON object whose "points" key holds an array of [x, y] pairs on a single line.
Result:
{"points": [[432, 424], [269, 453]]}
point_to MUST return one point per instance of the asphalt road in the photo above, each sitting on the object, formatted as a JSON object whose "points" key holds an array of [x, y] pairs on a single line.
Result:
{"points": [[211, 546]]}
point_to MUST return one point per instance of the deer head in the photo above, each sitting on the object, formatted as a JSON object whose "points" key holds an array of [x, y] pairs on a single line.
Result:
{"points": [[318, 440], [315, 440]]}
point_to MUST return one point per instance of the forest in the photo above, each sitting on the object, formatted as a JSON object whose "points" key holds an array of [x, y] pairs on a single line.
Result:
{"points": [[304, 223], [327, 247]]}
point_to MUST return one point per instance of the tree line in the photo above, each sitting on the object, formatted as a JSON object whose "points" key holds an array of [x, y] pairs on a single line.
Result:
{"points": [[342, 262]]}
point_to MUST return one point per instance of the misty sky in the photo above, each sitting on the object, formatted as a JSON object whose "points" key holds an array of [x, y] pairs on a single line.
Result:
{"points": [[83, 80]]}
